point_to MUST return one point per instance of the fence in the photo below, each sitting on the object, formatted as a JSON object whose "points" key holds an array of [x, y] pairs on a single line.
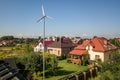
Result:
{"points": [[82, 75]]}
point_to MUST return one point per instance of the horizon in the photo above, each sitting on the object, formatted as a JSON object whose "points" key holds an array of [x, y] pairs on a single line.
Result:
{"points": [[37, 37], [70, 18]]}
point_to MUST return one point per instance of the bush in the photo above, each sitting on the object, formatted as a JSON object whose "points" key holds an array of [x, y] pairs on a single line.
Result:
{"points": [[85, 62], [62, 57]]}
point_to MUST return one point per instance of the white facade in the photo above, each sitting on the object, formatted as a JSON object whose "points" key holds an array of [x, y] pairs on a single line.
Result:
{"points": [[93, 55], [39, 48]]}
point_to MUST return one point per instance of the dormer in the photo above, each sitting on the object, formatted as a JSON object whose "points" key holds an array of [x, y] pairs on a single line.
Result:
{"points": [[89, 47]]}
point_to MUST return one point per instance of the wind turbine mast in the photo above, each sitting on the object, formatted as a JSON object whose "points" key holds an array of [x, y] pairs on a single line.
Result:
{"points": [[43, 19]]}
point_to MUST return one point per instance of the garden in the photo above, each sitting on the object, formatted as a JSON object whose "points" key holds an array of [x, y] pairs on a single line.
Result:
{"points": [[30, 64]]}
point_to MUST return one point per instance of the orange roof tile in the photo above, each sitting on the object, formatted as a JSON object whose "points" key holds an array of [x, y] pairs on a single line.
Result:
{"points": [[101, 44], [78, 52], [83, 45], [98, 44]]}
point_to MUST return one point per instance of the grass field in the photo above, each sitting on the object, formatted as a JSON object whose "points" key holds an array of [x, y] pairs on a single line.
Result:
{"points": [[10, 51], [65, 69]]}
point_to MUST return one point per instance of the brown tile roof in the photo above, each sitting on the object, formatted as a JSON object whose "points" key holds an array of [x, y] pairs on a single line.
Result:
{"points": [[47, 42], [61, 44]]}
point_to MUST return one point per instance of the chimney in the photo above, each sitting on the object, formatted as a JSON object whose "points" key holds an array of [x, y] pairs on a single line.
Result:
{"points": [[57, 39], [105, 42]]}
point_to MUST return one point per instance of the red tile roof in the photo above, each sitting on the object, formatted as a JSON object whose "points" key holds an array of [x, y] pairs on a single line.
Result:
{"points": [[78, 52], [98, 44], [47, 42], [102, 44], [83, 45]]}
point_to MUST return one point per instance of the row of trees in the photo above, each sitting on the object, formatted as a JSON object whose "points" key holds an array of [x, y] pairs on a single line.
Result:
{"points": [[7, 38], [19, 40]]}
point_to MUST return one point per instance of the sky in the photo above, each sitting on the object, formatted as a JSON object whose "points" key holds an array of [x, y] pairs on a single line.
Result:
{"points": [[84, 18]]}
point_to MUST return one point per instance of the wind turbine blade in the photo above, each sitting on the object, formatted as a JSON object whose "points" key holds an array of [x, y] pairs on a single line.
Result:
{"points": [[39, 20], [49, 17], [43, 12]]}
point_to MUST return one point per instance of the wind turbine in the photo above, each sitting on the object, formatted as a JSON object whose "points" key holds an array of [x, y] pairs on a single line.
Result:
{"points": [[43, 19]]}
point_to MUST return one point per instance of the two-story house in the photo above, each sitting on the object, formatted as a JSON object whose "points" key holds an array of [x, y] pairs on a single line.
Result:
{"points": [[40, 47], [61, 47], [96, 48]]}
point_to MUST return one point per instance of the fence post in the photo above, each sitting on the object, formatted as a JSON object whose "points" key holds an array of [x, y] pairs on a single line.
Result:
{"points": [[84, 75]]}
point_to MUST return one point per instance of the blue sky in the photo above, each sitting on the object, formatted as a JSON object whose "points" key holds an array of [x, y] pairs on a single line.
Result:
{"points": [[85, 18]]}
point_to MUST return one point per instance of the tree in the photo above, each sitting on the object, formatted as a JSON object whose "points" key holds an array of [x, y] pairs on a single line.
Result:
{"points": [[28, 48], [33, 62], [110, 70], [51, 62], [7, 38], [115, 42]]}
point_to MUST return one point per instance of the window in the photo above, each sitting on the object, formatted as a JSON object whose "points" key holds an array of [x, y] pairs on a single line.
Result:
{"points": [[58, 52], [89, 56], [75, 57], [97, 56]]}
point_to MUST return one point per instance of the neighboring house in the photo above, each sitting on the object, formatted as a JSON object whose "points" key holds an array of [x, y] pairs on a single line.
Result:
{"points": [[1, 44], [61, 47], [96, 48], [39, 47], [6, 43], [118, 39], [76, 40]]}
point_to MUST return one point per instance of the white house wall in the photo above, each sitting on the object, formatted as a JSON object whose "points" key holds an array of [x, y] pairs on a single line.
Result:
{"points": [[92, 53], [104, 56], [39, 48]]}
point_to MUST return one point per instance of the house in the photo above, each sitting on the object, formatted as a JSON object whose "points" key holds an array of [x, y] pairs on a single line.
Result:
{"points": [[62, 46], [96, 48], [76, 40], [40, 47], [6, 43]]}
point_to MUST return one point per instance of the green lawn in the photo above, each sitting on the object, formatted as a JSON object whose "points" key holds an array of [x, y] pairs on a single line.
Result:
{"points": [[65, 69]]}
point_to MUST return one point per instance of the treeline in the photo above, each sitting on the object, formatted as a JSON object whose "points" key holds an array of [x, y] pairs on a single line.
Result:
{"points": [[19, 40], [115, 41], [7, 38]]}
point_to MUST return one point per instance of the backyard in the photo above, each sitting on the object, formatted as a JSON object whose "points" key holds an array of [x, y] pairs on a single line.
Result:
{"points": [[65, 69]]}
